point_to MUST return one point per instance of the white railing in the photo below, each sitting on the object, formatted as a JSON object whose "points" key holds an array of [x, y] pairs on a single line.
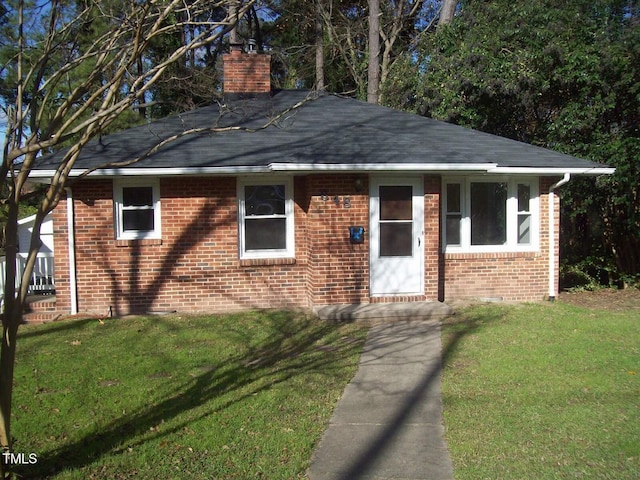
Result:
{"points": [[42, 278]]}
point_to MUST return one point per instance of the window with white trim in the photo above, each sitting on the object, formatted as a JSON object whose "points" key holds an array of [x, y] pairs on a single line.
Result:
{"points": [[453, 213], [266, 218], [490, 214], [524, 213], [137, 209]]}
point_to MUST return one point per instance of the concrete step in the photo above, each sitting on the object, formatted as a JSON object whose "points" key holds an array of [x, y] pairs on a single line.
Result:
{"points": [[384, 312]]}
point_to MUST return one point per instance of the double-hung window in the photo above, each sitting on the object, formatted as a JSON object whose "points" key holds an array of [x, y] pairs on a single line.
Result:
{"points": [[524, 213], [453, 214], [137, 209], [266, 218], [490, 214]]}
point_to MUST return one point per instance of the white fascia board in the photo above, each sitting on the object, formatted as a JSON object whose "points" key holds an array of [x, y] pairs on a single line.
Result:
{"points": [[378, 167], [327, 167], [177, 171], [273, 167], [153, 172], [552, 171]]}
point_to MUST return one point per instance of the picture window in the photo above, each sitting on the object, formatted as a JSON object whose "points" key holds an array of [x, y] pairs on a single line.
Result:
{"points": [[481, 214]]}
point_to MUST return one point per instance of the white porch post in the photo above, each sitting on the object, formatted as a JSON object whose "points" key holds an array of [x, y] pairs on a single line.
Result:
{"points": [[71, 236]]}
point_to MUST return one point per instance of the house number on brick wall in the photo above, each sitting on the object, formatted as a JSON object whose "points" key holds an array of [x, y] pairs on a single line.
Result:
{"points": [[346, 201]]}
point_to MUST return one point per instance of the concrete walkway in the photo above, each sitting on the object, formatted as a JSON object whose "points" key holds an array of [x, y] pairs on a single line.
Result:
{"points": [[388, 423]]}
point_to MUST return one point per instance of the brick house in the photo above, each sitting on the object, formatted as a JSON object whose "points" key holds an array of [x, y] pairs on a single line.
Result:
{"points": [[335, 201]]}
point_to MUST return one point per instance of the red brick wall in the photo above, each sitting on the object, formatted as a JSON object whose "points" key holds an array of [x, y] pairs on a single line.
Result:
{"points": [[196, 267], [432, 236], [61, 257], [509, 276], [338, 270]]}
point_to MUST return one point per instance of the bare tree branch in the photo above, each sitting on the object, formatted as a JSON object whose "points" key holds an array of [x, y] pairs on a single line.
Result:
{"points": [[70, 88], [201, 130]]}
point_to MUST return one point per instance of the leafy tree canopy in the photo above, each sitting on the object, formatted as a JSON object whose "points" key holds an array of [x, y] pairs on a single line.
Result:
{"points": [[563, 75]]}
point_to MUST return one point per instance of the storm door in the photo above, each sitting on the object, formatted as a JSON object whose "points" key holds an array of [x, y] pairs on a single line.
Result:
{"points": [[397, 231]]}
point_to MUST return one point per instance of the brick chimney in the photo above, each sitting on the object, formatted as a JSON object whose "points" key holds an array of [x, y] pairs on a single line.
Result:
{"points": [[246, 75]]}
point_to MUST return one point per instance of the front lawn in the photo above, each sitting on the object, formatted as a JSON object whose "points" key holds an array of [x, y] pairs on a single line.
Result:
{"points": [[543, 391], [225, 397]]}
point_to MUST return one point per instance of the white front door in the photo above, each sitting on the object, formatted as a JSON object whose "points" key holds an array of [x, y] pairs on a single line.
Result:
{"points": [[396, 227]]}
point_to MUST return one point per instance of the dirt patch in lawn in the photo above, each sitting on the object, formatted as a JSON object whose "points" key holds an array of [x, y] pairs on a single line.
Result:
{"points": [[604, 299]]}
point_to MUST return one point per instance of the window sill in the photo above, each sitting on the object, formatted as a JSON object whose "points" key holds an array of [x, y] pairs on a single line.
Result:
{"points": [[259, 262], [471, 254], [138, 242]]}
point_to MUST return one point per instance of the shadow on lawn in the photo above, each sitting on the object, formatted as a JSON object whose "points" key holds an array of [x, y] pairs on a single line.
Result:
{"points": [[295, 348], [462, 325], [31, 331]]}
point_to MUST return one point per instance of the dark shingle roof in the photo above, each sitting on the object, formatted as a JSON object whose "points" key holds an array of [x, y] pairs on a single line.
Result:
{"points": [[325, 132]]}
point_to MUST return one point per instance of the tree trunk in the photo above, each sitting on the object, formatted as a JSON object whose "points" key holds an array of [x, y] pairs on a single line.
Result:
{"points": [[142, 109], [7, 362], [319, 34], [255, 29], [82, 114], [373, 77], [447, 12], [11, 317], [234, 38]]}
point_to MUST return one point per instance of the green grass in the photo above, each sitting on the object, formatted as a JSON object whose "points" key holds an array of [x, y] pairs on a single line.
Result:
{"points": [[211, 397], [542, 392]]}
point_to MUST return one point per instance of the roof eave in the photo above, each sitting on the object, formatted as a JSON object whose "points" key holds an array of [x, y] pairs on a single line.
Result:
{"points": [[151, 172], [600, 170], [379, 167], [490, 168]]}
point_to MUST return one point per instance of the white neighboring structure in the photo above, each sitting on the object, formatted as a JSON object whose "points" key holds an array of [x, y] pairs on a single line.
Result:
{"points": [[25, 228], [42, 278]]}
